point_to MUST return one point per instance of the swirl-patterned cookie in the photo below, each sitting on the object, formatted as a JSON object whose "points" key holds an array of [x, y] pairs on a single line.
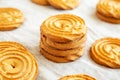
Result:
{"points": [[106, 51], [61, 59], [58, 52], [41, 2], [109, 10], [16, 63], [64, 46], [6, 45], [10, 18], [64, 28], [64, 4], [77, 77]]}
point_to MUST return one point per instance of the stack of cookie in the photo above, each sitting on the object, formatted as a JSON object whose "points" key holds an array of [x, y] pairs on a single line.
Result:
{"points": [[58, 4], [63, 38]]}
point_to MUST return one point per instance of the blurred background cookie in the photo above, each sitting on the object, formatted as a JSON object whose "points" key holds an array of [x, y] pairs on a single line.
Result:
{"points": [[58, 4], [109, 10], [41, 2], [10, 18], [106, 51], [77, 77], [64, 4]]}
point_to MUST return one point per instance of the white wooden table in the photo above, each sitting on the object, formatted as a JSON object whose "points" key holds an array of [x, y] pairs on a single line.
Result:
{"points": [[29, 35]]}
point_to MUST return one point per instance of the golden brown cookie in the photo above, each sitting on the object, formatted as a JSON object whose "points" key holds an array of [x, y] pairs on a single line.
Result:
{"points": [[77, 77], [64, 4], [64, 46], [6, 45], [10, 18], [109, 10], [16, 63], [64, 28], [106, 51], [58, 52], [41, 2], [60, 59]]}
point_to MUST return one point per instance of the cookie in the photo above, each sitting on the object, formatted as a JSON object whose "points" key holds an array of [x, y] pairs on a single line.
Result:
{"points": [[16, 63], [41, 2], [109, 10], [59, 59], [64, 4], [64, 46], [63, 28], [6, 45], [10, 18], [106, 52], [77, 77], [58, 52]]}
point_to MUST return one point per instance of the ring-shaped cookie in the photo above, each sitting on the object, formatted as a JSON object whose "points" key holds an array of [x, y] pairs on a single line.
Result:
{"points": [[106, 51], [10, 18]]}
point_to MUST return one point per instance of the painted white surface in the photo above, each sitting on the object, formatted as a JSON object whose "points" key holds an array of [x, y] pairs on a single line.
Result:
{"points": [[29, 35]]}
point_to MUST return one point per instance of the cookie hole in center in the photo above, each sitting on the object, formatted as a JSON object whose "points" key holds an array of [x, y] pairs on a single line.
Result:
{"points": [[13, 66]]}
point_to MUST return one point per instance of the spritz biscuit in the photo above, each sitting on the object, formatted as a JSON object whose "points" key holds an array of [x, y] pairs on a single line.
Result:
{"points": [[109, 10], [77, 77], [64, 28], [10, 18], [61, 59], [41, 2], [16, 63], [106, 51], [64, 46], [64, 4], [59, 52]]}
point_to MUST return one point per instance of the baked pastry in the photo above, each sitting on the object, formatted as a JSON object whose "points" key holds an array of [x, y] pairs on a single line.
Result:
{"points": [[41, 2], [10, 18], [109, 10], [64, 28], [58, 52], [61, 59], [6, 45], [77, 77], [64, 46], [64, 4], [63, 38], [16, 63], [106, 51]]}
